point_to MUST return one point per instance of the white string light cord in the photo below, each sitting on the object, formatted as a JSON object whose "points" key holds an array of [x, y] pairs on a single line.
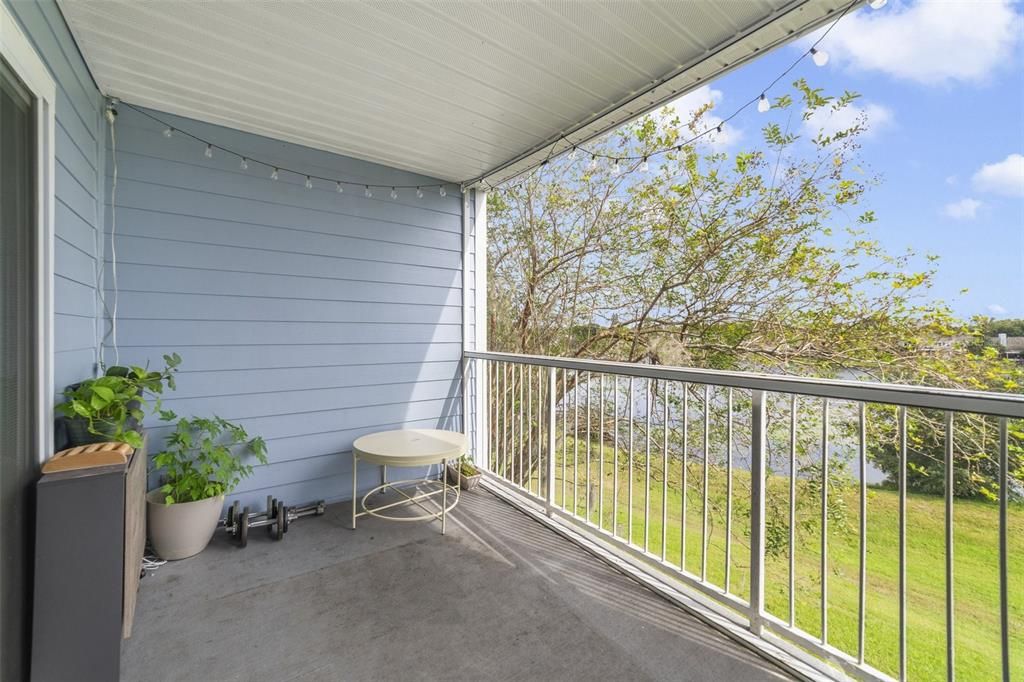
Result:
{"points": [[276, 169], [111, 116], [818, 56]]}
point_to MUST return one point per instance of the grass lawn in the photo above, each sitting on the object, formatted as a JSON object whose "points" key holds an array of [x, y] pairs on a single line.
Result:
{"points": [[975, 551]]}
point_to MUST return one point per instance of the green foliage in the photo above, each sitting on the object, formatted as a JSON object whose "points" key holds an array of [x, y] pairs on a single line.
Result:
{"points": [[762, 259], [204, 458], [467, 467], [116, 403]]}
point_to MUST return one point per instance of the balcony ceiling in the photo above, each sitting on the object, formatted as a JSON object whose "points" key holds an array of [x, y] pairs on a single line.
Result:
{"points": [[455, 90]]}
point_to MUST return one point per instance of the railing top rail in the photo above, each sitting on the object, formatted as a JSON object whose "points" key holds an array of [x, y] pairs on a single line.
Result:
{"points": [[928, 397]]}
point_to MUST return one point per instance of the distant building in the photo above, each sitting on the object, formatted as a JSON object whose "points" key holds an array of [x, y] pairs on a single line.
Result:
{"points": [[1009, 346]]}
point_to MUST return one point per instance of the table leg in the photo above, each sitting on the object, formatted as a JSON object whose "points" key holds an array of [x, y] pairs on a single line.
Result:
{"points": [[383, 476], [355, 488], [444, 494]]}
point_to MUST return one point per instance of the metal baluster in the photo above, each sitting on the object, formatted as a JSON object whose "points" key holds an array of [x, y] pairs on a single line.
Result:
{"points": [[550, 493], [615, 458], [664, 475], [792, 510], [522, 429], [824, 521], [728, 489], [629, 489], [704, 504], [685, 476], [903, 542], [862, 455], [600, 449], [1004, 578], [529, 426], [758, 438], [541, 428], [565, 427], [504, 417], [950, 632], [648, 400], [587, 496], [576, 445]]}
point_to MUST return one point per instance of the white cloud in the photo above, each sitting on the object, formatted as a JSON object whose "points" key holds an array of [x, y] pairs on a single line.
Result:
{"points": [[684, 108], [872, 117], [965, 209], [933, 43], [1004, 177], [951, 180], [996, 309]]}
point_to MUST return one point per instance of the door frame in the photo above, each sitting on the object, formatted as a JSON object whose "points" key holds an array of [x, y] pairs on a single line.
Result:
{"points": [[18, 52]]}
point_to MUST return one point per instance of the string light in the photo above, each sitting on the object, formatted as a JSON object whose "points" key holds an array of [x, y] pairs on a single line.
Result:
{"points": [[616, 168], [367, 193], [419, 193], [644, 166], [394, 193], [309, 182], [878, 4], [245, 161], [442, 191], [820, 57]]}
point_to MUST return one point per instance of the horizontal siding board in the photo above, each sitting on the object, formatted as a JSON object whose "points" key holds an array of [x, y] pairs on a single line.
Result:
{"points": [[186, 281], [78, 198], [240, 358], [187, 228], [283, 381], [74, 332], [74, 229], [171, 306], [76, 161], [73, 263], [218, 332], [143, 251], [278, 428], [73, 297], [68, 367]]}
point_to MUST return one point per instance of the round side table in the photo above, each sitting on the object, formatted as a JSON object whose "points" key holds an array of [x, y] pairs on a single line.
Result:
{"points": [[407, 448]]}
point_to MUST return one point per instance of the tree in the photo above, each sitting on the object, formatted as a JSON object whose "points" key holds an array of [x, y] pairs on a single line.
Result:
{"points": [[753, 260]]}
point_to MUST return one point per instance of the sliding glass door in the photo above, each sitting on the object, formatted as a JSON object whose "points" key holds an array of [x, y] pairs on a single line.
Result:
{"points": [[19, 459]]}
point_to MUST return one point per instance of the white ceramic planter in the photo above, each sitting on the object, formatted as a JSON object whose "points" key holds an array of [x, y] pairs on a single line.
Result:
{"points": [[184, 529]]}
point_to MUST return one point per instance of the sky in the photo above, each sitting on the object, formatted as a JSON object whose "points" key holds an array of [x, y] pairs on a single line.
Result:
{"points": [[942, 88]]}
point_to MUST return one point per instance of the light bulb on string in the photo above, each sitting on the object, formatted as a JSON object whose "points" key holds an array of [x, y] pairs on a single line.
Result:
{"points": [[878, 4], [419, 193], [367, 192], [616, 168], [394, 193], [168, 132], [209, 151], [309, 182], [244, 164], [763, 104], [593, 162], [572, 154], [443, 192], [718, 128], [274, 175], [644, 166], [339, 187], [820, 57]]}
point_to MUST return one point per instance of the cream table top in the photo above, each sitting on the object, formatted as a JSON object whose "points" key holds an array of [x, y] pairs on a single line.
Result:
{"points": [[410, 447]]}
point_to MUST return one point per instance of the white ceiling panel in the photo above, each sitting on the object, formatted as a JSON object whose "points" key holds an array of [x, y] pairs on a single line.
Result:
{"points": [[456, 90]]}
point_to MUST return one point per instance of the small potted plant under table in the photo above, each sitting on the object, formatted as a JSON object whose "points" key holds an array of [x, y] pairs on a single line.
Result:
{"points": [[464, 474]]}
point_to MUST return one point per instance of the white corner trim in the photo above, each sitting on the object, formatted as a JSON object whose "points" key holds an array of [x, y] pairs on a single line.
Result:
{"points": [[18, 52]]}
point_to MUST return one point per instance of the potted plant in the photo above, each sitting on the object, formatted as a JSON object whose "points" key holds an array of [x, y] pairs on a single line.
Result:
{"points": [[464, 474], [203, 460], [112, 407]]}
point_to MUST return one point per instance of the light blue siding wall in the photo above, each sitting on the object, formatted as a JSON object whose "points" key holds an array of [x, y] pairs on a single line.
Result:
{"points": [[311, 317], [79, 190]]}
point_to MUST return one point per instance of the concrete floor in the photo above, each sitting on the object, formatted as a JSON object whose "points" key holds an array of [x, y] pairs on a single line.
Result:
{"points": [[500, 597]]}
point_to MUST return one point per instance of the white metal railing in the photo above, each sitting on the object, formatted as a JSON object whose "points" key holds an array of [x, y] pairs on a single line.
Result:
{"points": [[566, 431]]}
